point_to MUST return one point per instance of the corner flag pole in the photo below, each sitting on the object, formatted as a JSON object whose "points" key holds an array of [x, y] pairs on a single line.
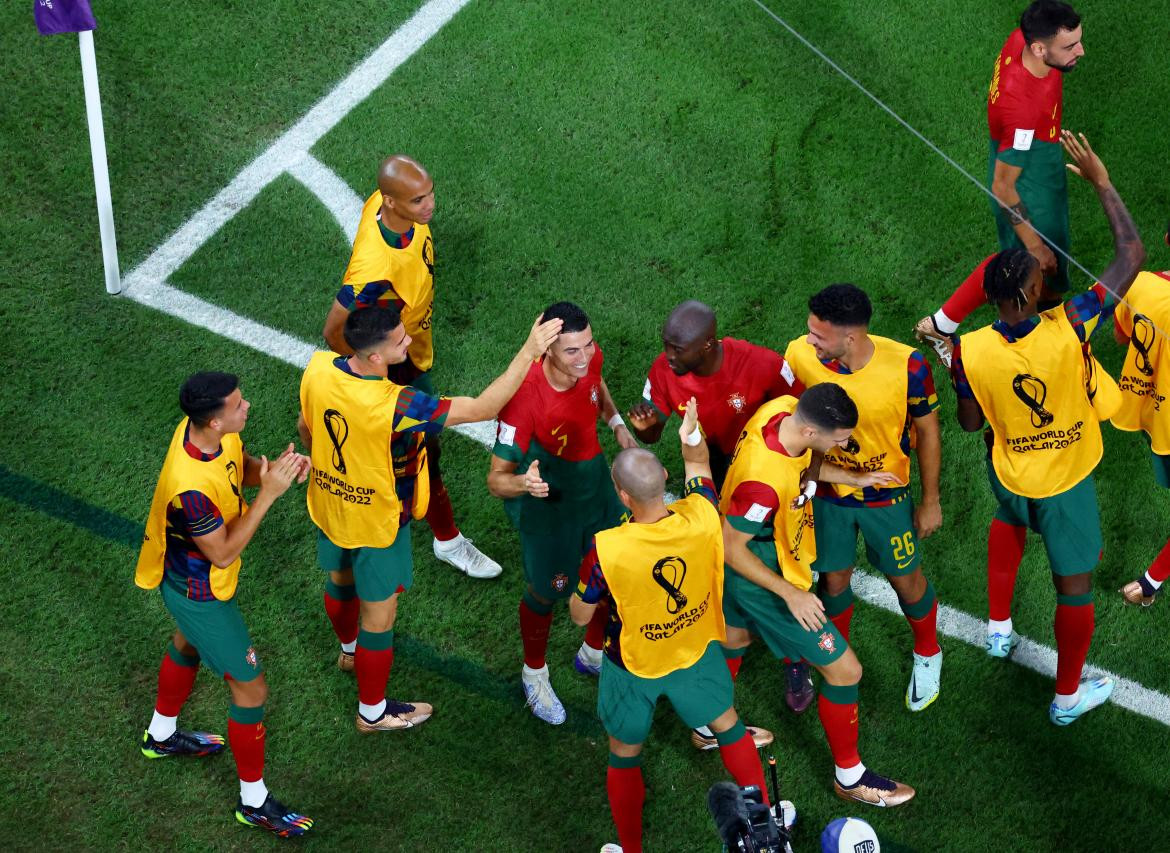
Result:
{"points": [[101, 170]]}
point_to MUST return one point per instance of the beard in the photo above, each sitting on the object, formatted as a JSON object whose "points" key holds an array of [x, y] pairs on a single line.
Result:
{"points": [[1072, 66]]}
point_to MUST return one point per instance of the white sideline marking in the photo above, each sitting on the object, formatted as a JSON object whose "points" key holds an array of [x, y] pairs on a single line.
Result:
{"points": [[147, 285]]}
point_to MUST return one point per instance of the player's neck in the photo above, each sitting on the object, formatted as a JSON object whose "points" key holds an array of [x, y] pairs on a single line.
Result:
{"points": [[716, 362], [556, 377], [791, 440], [361, 367], [1036, 67], [205, 438], [393, 221], [860, 356], [650, 512]]}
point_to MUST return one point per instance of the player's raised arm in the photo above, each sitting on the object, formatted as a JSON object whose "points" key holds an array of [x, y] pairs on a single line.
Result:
{"points": [[695, 453], [1128, 252], [489, 402]]}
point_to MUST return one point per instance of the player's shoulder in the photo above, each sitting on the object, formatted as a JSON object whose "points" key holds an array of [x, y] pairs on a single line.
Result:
{"points": [[746, 350]]}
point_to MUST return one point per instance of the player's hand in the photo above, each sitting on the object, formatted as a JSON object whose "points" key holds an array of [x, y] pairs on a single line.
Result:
{"points": [[541, 336], [1044, 256], [1086, 164], [927, 518], [807, 609], [643, 416], [535, 486], [304, 464], [276, 477], [880, 479], [690, 420], [624, 439]]}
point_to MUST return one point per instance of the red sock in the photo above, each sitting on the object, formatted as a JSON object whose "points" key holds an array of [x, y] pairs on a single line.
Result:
{"points": [[247, 743], [1074, 631], [174, 686], [1160, 569], [595, 632], [840, 724], [343, 615], [440, 515], [372, 668], [926, 632], [733, 664], [1005, 549], [967, 296], [842, 620], [743, 763], [534, 635], [627, 794]]}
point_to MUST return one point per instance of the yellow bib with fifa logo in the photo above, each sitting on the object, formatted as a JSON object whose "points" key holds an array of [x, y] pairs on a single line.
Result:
{"points": [[351, 492], [1032, 392], [411, 271], [1145, 376], [879, 389], [792, 526], [666, 579], [221, 479]]}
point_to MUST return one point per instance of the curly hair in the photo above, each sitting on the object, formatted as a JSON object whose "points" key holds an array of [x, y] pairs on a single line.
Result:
{"points": [[841, 305], [1006, 274]]}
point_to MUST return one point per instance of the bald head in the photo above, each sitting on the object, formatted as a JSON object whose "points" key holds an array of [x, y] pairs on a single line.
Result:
{"points": [[638, 473], [408, 193], [689, 323]]}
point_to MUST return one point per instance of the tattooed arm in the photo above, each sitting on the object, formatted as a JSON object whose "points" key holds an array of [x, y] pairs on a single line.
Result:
{"points": [[1003, 187], [1128, 252]]}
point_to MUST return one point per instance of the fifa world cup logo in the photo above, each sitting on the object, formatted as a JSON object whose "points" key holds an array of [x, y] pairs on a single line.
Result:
{"points": [[677, 567], [1144, 336], [428, 255], [338, 430], [1032, 392], [233, 475]]}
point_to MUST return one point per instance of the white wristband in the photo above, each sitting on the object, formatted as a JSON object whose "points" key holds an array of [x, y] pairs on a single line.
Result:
{"points": [[616, 421], [810, 489], [694, 438]]}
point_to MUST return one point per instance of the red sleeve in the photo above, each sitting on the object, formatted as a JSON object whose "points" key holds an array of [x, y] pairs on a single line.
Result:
{"points": [[656, 385], [515, 426], [1016, 114], [754, 501], [782, 379], [969, 295]]}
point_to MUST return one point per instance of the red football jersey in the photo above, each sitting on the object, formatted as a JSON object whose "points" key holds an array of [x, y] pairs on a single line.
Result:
{"points": [[749, 376], [564, 423], [1022, 108]]}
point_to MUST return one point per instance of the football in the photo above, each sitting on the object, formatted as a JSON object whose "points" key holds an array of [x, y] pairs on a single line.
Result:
{"points": [[849, 835]]}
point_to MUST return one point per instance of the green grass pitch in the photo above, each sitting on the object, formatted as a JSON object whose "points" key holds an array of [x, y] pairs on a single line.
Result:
{"points": [[625, 156]]}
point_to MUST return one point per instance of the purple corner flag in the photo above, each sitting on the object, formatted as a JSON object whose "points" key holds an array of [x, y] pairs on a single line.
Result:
{"points": [[63, 16]]}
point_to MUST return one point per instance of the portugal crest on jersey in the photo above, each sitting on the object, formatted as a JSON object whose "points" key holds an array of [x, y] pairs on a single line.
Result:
{"points": [[595, 396], [737, 401], [827, 642], [559, 582]]}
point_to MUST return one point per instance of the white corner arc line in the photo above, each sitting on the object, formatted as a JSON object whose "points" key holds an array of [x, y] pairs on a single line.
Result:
{"points": [[337, 196], [147, 285]]}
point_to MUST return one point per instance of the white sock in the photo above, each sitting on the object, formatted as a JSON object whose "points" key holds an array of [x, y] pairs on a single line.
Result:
{"points": [[530, 674], [350, 647], [705, 731], [999, 626], [253, 793], [945, 324], [590, 654], [449, 544], [1064, 701], [1155, 584], [851, 775], [161, 727], [372, 713]]}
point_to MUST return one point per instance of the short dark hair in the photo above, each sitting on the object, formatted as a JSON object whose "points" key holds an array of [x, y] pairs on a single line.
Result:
{"points": [[365, 328], [202, 395], [1006, 274], [574, 319], [1043, 19], [841, 305], [827, 407]]}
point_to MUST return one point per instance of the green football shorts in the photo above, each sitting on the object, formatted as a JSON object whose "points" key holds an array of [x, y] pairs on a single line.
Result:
{"points": [[888, 531], [378, 573], [765, 615], [700, 693], [217, 630], [1069, 523]]}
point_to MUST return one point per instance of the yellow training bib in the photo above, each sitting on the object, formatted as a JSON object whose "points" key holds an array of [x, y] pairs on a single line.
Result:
{"points": [[792, 527], [351, 491], [1145, 376], [1032, 392], [221, 479]]}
